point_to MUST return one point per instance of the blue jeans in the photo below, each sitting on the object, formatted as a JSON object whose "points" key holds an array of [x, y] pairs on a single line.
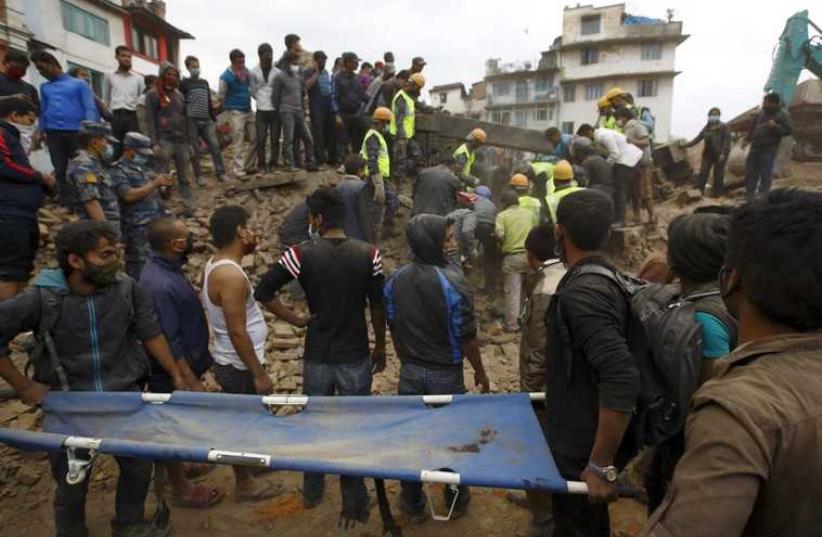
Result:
{"points": [[759, 170], [420, 380], [338, 379], [204, 129]]}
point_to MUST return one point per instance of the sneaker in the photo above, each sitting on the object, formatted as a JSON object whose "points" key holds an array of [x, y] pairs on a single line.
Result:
{"points": [[141, 529], [201, 182]]}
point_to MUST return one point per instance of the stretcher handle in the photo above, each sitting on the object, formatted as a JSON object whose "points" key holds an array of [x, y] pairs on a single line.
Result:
{"points": [[8, 394], [624, 490]]}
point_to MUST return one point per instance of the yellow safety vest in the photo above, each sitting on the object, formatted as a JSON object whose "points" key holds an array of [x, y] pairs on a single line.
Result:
{"points": [[469, 158], [408, 121], [531, 203], [548, 169], [608, 123], [383, 160], [553, 199]]}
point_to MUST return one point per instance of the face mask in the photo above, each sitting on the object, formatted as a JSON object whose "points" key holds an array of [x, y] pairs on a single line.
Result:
{"points": [[101, 275], [312, 233], [107, 154], [195, 73], [140, 160], [189, 247], [713, 119], [251, 246], [295, 69]]}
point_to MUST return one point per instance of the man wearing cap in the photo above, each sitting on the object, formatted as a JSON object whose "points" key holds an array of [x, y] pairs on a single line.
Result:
{"points": [[349, 98], [465, 155], [267, 119], [375, 153], [418, 64], [404, 123], [88, 181], [320, 109], [139, 196], [287, 96], [564, 184]]}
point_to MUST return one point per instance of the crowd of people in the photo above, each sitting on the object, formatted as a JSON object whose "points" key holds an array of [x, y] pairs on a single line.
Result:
{"points": [[730, 316]]}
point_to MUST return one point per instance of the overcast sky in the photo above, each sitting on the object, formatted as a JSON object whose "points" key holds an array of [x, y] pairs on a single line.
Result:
{"points": [[724, 63]]}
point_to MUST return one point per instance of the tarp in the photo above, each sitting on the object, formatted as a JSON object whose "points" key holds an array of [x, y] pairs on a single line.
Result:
{"points": [[487, 440]]}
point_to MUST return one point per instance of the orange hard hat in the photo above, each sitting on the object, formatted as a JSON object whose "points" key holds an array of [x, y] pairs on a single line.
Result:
{"points": [[518, 179], [563, 171], [478, 135], [417, 79], [383, 114]]}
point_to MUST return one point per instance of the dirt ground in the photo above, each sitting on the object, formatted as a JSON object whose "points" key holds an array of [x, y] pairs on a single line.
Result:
{"points": [[26, 486]]}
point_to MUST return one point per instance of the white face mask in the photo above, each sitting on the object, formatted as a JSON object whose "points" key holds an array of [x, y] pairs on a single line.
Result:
{"points": [[713, 119], [295, 69]]}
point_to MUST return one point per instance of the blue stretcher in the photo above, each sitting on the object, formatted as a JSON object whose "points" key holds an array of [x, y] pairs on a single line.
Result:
{"points": [[473, 440]]}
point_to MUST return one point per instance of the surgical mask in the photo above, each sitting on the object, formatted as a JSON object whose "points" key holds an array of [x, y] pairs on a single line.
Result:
{"points": [[713, 119], [108, 153], [140, 160], [195, 73], [312, 233], [295, 69], [102, 275]]}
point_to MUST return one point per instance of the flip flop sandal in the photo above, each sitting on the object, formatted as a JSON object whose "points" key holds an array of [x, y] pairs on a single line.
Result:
{"points": [[269, 491], [201, 497]]}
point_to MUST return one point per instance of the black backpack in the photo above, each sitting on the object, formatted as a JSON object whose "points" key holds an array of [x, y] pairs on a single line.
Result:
{"points": [[666, 342]]}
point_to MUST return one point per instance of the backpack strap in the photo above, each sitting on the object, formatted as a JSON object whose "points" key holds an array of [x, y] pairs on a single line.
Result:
{"points": [[51, 304]]}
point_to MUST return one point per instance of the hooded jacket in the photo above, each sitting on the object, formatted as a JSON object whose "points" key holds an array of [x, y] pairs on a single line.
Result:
{"points": [[165, 115], [97, 337], [428, 304]]}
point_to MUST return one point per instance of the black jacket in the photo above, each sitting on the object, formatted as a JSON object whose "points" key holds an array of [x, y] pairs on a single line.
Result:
{"points": [[764, 138], [601, 370], [435, 191], [428, 304], [717, 140], [350, 95]]}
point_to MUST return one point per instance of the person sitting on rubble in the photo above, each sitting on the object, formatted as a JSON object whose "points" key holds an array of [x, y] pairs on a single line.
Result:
{"points": [[432, 336], [339, 275], [237, 324], [358, 196], [751, 464], [183, 321], [696, 251], [93, 326], [464, 220], [140, 196], [435, 188], [513, 224]]}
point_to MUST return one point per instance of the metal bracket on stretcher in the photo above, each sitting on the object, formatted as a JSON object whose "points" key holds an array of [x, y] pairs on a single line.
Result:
{"points": [[78, 467]]}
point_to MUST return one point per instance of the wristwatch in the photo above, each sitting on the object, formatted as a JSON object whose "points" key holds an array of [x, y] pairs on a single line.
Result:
{"points": [[606, 473]]}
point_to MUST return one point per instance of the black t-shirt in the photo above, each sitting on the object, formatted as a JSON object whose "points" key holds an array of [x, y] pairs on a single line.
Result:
{"points": [[338, 276], [10, 86]]}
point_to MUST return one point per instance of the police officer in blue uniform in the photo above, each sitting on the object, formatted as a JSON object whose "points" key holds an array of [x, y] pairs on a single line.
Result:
{"points": [[91, 194], [141, 196]]}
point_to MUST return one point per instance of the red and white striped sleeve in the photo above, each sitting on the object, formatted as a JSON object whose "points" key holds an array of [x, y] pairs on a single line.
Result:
{"points": [[376, 263], [291, 261]]}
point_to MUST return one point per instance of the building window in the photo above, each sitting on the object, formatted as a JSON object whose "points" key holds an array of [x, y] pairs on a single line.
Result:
{"points": [[520, 118], [95, 76], [496, 117], [647, 88], [589, 56], [443, 98], [80, 21], [522, 91], [569, 93], [541, 114], [506, 118], [144, 42], [591, 24], [541, 83], [593, 91], [651, 51], [551, 114], [502, 88], [568, 127]]}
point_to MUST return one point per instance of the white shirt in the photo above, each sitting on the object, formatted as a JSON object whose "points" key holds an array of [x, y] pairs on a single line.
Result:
{"points": [[261, 89], [223, 349], [619, 150], [121, 90]]}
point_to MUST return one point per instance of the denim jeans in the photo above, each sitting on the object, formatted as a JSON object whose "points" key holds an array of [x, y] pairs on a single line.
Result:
{"points": [[268, 129], [70, 500], [204, 129], [295, 128], [417, 379], [759, 171], [338, 379], [178, 152], [323, 132], [62, 146]]}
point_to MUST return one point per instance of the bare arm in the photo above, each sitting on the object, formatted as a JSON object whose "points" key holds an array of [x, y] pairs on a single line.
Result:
{"points": [[282, 311], [471, 350], [158, 348], [95, 211]]}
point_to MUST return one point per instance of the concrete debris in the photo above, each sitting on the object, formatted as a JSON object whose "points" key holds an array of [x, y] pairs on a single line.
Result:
{"points": [[689, 196]]}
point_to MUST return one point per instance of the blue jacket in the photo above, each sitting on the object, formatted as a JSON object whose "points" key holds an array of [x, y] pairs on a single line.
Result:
{"points": [[66, 101], [238, 94], [21, 189]]}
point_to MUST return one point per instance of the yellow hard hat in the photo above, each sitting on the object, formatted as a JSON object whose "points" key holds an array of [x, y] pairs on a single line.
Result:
{"points": [[383, 114], [518, 179], [417, 79], [603, 102], [616, 91], [563, 171], [478, 135]]}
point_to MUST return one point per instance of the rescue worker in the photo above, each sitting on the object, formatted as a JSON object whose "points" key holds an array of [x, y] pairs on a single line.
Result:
{"points": [[140, 198], [378, 170], [541, 174], [519, 182], [91, 192], [403, 123], [466, 154], [512, 227], [564, 184], [606, 119]]}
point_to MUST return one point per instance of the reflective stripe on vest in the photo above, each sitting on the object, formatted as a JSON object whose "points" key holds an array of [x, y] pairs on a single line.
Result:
{"points": [[383, 160], [552, 200], [469, 158], [408, 121]]}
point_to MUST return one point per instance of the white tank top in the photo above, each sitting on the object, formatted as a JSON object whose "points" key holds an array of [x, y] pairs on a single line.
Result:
{"points": [[223, 349]]}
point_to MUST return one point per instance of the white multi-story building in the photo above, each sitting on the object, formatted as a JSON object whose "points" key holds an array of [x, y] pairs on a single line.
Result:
{"points": [[453, 98], [603, 47], [523, 97], [85, 33]]}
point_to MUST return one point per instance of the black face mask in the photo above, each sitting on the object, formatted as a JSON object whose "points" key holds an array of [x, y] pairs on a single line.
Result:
{"points": [[102, 275], [189, 247]]}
